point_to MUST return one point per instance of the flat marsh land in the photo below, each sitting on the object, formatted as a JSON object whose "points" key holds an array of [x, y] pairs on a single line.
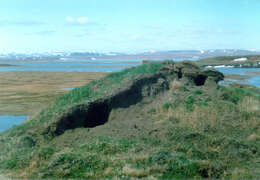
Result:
{"points": [[23, 93]]}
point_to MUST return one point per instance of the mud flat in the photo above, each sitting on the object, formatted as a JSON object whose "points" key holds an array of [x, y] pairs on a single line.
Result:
{"points": [[23, 93], [254, 72]]}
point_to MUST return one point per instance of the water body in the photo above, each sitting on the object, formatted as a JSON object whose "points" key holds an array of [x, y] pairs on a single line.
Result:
{"points": [[254, 79], [67, 89], [99, 60], [66, 67], [62, 69], [72, 65], [7, 121], [120, 60]]}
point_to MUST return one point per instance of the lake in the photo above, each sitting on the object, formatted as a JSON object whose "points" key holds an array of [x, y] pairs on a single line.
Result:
{"points": [[7, 121], [67, 66], [254, 79], [75, 65]]}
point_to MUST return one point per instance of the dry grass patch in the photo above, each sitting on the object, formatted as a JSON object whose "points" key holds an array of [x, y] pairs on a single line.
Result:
{"points": [[133, 172], [176, 85], [199, 118], [249, 104]]}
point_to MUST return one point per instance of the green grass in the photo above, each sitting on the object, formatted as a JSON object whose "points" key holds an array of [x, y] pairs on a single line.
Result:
{"points": [[99, 88], [108, 146]]}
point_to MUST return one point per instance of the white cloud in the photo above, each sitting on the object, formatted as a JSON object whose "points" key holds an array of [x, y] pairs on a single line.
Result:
{"points": [[78, 21], [70, 19], [83, 20]]}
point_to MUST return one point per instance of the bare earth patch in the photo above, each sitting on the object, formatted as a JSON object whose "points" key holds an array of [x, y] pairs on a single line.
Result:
{"points": [[254, 73], [237, 77]]}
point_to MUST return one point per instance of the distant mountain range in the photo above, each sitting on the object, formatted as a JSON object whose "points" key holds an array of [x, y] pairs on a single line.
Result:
{"points": [[116, 55]]}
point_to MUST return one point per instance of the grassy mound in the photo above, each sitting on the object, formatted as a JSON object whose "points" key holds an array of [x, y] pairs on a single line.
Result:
{"points": [[187, 132]]}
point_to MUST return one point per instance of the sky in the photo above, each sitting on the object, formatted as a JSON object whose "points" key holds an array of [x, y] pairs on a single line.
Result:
{"points": [[128, 25]]}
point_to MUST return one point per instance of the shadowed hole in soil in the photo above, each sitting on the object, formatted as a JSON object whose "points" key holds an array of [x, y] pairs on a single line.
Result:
{"points": [[200, 80], [180, 74], [95, 114], [98, 115]]}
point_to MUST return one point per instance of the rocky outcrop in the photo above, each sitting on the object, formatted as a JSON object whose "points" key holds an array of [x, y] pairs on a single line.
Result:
{"points": [[191, 74], [95, 113]]}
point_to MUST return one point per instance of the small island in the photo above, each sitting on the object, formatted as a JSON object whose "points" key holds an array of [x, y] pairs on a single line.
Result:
{"points": [[7, 65]]}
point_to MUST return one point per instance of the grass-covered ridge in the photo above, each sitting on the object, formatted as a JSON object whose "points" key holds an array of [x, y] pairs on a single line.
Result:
{"points": [[100, 88], [187, 132]]}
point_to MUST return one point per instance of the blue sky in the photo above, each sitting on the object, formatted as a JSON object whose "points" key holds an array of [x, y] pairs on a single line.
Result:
{"points": [[128, 25]]}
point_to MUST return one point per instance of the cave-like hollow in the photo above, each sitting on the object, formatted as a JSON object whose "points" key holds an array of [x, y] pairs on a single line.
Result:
{"points": [[200, 80]]}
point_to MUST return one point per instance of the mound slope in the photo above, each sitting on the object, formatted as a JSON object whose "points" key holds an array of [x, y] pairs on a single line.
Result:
{"points": [[96, 112]]}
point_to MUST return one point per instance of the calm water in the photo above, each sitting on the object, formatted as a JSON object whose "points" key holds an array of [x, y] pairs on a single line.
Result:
{"points": [[67, 89], [254, 79], [70, 65], [67, 67], [8, 121], [62, 69]]}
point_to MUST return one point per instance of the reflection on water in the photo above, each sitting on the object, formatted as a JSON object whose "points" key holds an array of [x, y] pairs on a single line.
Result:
{"points": [[7, 121], [67, 89], [87, 66], [61, 69], [70, 65], [254, 79]]}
